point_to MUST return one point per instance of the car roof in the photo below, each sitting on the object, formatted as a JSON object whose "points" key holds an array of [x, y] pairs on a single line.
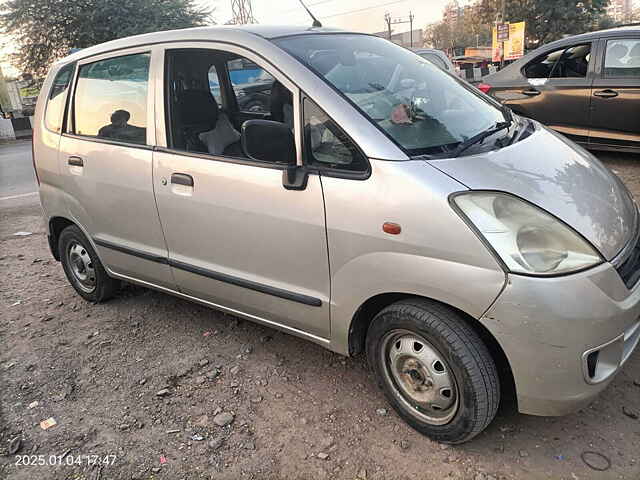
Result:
{"points": [[610, 32], [229, 33], [629, 30], [427, 50]]}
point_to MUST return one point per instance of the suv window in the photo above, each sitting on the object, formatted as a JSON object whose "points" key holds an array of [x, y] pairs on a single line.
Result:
{"points": [[622, 58], [251, 84], [111, 99], [326, 144], [571, 62], [57, 98]]}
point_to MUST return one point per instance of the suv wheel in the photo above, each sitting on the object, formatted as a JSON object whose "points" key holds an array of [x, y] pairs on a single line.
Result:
{"points": [[83, 268], [434, 369]]}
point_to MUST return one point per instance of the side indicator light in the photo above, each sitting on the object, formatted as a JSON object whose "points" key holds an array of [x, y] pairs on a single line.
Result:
{"points": [[391, 228]]}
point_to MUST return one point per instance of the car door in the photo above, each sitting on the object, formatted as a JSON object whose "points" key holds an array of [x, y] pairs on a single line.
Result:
{"points": [[615, 102], [105, 158], [554, 88], [237, 238]]}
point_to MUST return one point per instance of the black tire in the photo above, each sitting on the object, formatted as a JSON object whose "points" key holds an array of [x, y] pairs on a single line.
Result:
{"points": [[467, 359], [104, 286]]}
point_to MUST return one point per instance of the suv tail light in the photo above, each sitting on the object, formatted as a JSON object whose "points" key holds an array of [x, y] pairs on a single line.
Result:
{"points": [[484, 87]]}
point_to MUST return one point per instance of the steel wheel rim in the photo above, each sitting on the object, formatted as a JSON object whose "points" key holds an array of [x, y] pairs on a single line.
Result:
{"points": [[81, 267], [420, 377]]}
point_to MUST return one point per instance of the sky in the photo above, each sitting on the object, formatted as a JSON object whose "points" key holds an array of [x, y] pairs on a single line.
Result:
{"points": [[361, 15]]}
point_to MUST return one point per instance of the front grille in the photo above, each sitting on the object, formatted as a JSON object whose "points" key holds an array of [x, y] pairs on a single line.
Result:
{"points": [[629, 270]]}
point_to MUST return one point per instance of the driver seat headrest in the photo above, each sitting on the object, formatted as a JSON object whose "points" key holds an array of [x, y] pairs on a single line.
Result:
{"points": [[197, 108]]}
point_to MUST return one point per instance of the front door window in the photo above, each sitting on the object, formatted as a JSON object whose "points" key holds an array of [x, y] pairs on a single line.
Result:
{"points": [[566, 62]]}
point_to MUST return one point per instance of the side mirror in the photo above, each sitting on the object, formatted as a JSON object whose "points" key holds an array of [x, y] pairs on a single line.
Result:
{"points": [[268, 141]]}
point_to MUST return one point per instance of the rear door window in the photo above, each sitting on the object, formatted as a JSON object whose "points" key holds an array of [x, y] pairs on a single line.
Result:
{"points": [[251, 85], [567, 62], [57, 98], [622, 58], [111, 99]]}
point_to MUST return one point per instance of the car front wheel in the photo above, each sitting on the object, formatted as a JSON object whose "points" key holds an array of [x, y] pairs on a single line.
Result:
{"points": [[434, 369]]}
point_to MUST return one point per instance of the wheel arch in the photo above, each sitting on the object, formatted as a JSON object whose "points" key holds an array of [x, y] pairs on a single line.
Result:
{"points": [[365, 314], [56, 226]]}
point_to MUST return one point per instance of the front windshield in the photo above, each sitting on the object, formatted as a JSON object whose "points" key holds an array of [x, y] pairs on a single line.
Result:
{"points": [[422, 108]]}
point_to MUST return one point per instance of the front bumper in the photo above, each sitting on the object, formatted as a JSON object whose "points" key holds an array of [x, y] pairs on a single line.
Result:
{"points": [[549, 329]]}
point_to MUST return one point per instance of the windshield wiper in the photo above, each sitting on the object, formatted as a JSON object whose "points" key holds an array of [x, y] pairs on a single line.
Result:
{"points": [[480, 137], [508, 115]]}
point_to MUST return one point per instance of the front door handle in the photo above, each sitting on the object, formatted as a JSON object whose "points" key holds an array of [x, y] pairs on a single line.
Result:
{"points": [[532, 92], [182, 179], [608, 93], [75, 161]]}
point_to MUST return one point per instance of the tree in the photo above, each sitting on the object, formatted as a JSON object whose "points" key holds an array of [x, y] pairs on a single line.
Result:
{"points": [[45, 30], [467, 31], [439, 36], [605, 21], [547, 20]]}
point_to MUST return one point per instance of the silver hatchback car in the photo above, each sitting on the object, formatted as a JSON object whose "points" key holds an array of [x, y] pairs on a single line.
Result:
{"points": [[374, 203]]}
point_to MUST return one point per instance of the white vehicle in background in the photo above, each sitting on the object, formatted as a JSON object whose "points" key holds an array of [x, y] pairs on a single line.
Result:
{"points": [[437, 57]]}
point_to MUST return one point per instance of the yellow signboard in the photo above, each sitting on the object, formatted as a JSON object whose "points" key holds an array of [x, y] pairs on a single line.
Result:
{"points": [[29, 92], [512, 48]]}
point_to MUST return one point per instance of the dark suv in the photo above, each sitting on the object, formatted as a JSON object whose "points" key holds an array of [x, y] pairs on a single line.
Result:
{"points": [[586, 87]]}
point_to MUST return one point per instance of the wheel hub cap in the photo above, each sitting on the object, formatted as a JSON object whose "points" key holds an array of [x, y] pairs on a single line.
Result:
{"points": [[419, 373], [81, 267]]}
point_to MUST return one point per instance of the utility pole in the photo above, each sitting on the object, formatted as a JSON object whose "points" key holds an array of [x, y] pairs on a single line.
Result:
{"points": [[387, 19], [395, 21], [502, 14], [411, 28]]}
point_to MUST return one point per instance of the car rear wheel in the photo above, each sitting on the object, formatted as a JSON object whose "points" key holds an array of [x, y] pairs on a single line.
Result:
{"points": [[83, 268], [434, 369]]}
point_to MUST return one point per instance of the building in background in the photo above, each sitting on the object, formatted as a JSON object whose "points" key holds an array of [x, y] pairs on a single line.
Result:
{"points": [[620, 10], [15, 105], [28, 91], [404, 39], [452, 12]]}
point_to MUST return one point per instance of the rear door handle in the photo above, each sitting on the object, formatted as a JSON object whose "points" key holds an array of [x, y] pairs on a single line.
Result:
{"points": [[76, 161], [608, 93], [182, 179], [532, 92]]}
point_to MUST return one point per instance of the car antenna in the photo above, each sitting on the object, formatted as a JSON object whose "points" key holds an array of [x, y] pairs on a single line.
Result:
{"points": [[315, 23]]}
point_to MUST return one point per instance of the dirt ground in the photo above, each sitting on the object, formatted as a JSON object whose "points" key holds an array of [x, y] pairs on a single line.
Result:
{"points": [[147, 378]]}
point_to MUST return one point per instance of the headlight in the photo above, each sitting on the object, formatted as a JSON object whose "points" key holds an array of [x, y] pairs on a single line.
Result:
{"points": [[527, 239]]}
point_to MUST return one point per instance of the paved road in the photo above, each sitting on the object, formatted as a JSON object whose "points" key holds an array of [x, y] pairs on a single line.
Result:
{"points": [[16, 170]]}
